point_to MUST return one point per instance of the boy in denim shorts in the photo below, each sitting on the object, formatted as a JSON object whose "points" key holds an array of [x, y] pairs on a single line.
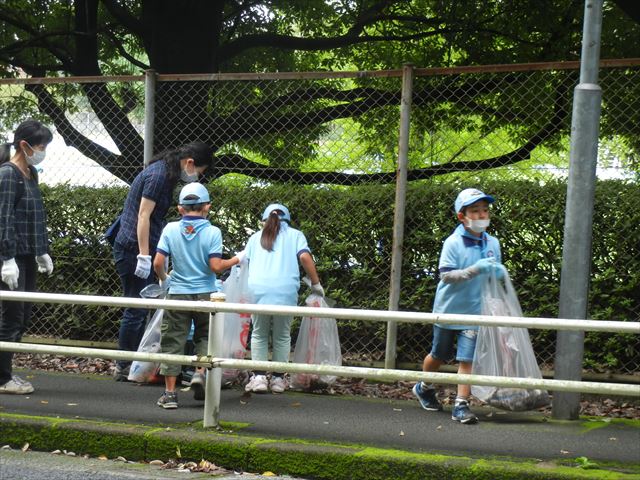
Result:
{"points": [[467, 255], [195, 248]]}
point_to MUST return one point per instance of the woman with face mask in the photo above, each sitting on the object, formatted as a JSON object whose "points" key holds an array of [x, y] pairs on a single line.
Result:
{"points": [[141, 224], [23, 237]]}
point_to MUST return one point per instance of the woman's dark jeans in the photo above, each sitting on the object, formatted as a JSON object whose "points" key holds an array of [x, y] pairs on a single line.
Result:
{"points": [[133, 319], [16, 316]]}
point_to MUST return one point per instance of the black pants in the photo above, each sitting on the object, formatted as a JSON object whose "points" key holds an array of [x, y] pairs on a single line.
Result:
{"points": [[133, 319], [16, 316]]}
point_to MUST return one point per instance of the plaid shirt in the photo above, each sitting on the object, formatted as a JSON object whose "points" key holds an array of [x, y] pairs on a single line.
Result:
{"points": [[23, 222], [152, 183]]}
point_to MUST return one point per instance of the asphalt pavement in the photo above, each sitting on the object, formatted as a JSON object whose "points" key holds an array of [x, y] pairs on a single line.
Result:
{"points": [[387, 424]]}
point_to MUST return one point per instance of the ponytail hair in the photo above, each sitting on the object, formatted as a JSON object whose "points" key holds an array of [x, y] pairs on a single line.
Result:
{"points": [[270, 230], [31, 131]]}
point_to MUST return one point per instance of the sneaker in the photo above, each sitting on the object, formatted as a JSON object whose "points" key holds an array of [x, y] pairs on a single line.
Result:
{"points": [[197, 385], [461, 413], [16, 386], [257, 384], [121, 374], [278, 384], [168, 400], [427, 398]]}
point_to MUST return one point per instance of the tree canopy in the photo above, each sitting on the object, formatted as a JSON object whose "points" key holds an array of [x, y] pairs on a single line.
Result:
{"points": [[122, 37]]}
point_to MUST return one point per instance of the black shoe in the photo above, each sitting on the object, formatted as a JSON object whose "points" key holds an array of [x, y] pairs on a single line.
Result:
{"points": [[197, 385], [121, 374]]}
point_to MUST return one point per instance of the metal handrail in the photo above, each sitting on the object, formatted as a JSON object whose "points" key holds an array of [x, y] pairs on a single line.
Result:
{"points": [[214, 361]]}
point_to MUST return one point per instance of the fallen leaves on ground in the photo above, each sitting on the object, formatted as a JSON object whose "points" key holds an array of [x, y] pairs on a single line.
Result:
{"points": [[593, 406]]}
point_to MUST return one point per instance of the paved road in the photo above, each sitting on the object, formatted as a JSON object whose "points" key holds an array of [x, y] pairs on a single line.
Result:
{"points": [[401, 425]]}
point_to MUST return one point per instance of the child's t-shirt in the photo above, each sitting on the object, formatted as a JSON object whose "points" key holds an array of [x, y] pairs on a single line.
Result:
{"points": [[274, 276], [190, 243], [461, 250]]}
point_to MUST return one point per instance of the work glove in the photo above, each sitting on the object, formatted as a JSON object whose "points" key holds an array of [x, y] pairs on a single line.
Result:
{"points": [[10, 273], [165, 284], [242, 256], [45, 265], [317, 289], [143, 268], [500, 271], [485, 265]]}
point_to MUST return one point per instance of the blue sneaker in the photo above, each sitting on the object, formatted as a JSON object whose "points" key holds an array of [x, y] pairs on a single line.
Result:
{"points": [[461, 413], [427, 398], [168, 400]]}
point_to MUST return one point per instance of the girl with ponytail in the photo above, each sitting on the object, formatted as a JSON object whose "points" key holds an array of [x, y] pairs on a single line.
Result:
{"points": [[275, 254]]}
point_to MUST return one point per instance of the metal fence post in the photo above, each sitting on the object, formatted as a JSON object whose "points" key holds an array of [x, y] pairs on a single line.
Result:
{"points": [[399, 211], [149, 113], [214, 375], [576, 250]]}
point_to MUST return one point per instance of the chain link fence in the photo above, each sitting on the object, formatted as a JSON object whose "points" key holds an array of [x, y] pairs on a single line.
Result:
{"points": [[326, 144]]}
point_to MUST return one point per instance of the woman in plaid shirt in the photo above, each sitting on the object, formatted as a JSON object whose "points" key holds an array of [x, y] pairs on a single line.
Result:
{"points": [[23, 237]]}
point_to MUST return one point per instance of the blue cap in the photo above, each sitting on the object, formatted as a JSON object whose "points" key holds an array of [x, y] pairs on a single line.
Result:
{"points": [[470, 196], [195, 189], [276, 206]]}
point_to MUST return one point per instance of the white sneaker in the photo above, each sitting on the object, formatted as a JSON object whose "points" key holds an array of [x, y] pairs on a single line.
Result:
{"points": [[16, 386], [257, 384], [278, 384]]}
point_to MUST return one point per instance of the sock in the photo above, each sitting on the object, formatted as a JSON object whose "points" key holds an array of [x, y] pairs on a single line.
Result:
{"points": [[459, 400], [424, 386]]}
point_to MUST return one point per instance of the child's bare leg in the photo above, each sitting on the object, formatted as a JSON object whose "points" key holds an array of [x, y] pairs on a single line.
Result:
{"points": [[170, 383], [431, 364]]}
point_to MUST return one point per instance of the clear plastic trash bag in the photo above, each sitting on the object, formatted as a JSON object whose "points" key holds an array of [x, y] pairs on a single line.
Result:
{"points": [[317, 343], [148, 372], [236, 325], [505, 351]]}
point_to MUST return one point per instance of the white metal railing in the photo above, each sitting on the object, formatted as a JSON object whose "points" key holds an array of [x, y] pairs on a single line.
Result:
{"points": [[214, 361]]}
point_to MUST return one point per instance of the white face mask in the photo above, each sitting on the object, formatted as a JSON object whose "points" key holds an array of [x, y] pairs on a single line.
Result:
{"points": [[188, 177], [477, 226], [37, 157]]}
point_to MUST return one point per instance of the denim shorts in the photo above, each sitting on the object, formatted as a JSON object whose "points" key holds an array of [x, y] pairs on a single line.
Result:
{"points": [[443, 339]]}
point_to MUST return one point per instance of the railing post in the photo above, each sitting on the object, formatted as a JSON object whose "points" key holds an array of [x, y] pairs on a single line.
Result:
{"points": [[576, 251], [399, 211], [149, 114], [214, 375]]}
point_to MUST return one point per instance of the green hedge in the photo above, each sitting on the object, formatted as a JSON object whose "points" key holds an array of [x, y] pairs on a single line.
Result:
{"points": [[350, 233]]}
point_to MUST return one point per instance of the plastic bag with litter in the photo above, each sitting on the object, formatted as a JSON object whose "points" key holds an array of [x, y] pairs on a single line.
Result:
{"points": [[318, 342], [505, 352], [148, 372]]}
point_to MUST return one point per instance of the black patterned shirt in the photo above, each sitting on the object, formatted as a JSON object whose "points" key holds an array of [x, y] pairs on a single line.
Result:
{"points": [[23, 221], [152, 183]]}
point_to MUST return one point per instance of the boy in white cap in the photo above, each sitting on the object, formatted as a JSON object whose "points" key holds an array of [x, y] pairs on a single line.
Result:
{"points": [[195, 248], [467, 254]]}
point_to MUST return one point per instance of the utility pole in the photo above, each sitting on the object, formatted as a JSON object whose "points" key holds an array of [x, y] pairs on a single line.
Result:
{"points": [[576, 251]]}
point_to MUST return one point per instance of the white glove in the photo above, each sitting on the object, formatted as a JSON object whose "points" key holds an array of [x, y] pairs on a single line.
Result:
{"points": [[45, 265], [166, 283], [317, 289], [242, 256], [143, 268], [10, 273]]}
